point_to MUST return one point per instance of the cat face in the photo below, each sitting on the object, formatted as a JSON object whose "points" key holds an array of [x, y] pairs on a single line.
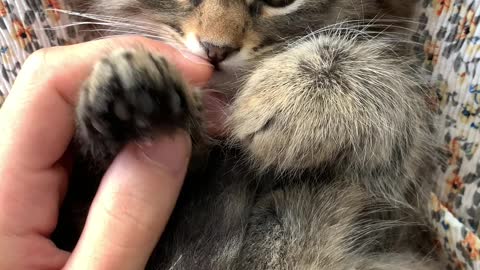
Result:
{"points": [[232, 33], [236, 31]]}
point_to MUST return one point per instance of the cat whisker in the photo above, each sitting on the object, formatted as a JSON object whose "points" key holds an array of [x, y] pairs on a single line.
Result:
{"points": [[114, 25], [116, 22], [100, 17], [127, 32], [95, 23]]}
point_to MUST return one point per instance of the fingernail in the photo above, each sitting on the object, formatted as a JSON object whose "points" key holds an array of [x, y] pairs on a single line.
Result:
{"points": [[195, 58], [171, 153]]}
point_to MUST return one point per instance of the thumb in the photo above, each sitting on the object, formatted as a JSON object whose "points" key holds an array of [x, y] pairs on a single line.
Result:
{"points": [[133, 205]]}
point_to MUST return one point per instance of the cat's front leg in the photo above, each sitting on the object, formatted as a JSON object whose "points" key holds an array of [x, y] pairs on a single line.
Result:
{"points": [[331, 101]]}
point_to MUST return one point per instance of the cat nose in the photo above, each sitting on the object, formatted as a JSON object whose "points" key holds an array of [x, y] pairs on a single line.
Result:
{"points": [[217, 54]]}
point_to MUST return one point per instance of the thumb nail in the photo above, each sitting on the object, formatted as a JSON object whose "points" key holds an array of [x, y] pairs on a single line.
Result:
{"points": [[169, 152]]}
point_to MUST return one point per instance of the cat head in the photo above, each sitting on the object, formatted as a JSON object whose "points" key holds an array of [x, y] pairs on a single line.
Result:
{"points": [[232, 33]]}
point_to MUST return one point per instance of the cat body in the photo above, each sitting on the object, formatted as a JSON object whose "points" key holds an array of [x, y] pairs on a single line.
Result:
{"points": [[330, 138]]}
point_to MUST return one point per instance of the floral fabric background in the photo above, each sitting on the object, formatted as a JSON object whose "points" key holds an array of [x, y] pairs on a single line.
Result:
{"points": [[450, 48], [450, 36], [25, 26]]}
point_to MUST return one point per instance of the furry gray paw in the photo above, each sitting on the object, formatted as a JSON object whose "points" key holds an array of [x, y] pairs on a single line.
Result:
{"points": [[130, 95]]}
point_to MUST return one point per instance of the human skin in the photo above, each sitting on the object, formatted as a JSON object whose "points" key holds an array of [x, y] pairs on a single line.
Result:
{"points": [[136, 195]]}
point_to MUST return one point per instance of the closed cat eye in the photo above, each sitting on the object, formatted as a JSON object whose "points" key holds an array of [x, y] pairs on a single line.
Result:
{"points": [[278, 3]]}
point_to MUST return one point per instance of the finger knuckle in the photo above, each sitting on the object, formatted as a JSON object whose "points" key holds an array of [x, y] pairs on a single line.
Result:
{"points": [[37, 59], [36, 63]]}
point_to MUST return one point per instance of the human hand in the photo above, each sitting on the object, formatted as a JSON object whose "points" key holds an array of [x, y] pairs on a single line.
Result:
{"points": [[136, 195]]}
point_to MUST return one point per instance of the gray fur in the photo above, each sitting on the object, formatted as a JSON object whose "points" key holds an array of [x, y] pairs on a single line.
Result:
{"points": [[330, 152]]}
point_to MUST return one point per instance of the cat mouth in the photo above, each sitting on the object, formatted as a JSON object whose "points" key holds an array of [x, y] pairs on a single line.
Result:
{"points": [[226, 65], [216, 66]]}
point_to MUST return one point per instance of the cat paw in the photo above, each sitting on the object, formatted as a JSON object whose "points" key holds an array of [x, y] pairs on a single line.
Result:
{"points": [[130, 95]]}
